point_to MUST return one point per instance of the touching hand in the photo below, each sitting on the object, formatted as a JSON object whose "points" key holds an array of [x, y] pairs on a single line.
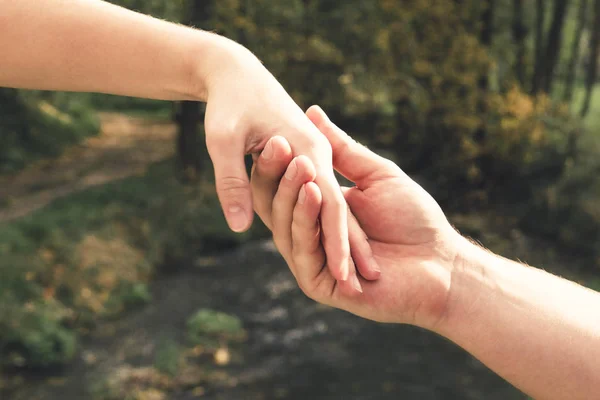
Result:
{"points": [[410, 237], [275, 172], [246, 107]]}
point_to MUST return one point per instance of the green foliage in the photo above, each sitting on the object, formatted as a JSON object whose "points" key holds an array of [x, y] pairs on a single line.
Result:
{"points": [[35, 125], [568, 210], [92, 254], [34, 331], [209, 328], [133, 294], [413, 77], [167, 359]]}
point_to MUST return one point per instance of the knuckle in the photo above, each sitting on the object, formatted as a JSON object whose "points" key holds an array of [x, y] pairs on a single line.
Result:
{"points": [[233, 186], [223, 132]]}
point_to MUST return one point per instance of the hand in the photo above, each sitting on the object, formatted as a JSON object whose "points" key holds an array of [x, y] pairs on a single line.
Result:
{"points": [[246, 107], [411, 239], [269, 169]]}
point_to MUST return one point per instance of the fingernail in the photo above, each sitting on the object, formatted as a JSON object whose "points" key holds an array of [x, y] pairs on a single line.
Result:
{"points": [[237, 218], [292, 170], [375, 265], [346, 271], [302, 195], [267, 152], [356, 283]]}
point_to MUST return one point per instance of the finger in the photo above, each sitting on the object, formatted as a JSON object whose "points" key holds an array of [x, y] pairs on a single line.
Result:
{"points": [[267, 171], [231, 179], [351, 159], [334, 224], [361, 250], [353, 242], [300, 171], [307, 252], [335, 238], [308, 255]]}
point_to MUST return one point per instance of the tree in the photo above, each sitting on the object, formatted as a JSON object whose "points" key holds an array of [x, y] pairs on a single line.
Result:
{"points": [[575, 50], [519, 33], [540, 8], [189, 114], [553, 44], [592, 67], [486, 37]]}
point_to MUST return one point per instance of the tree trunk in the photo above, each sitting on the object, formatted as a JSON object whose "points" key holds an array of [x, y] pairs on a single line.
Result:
{"points": [[519, 33], [554, 43], [572, 67], [540, 8], [592, 68], [189, 114], [486, 35], [487, 23], [189, 141]]}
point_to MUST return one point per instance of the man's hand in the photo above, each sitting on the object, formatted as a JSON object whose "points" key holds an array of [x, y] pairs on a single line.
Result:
{"points": [[410, 237], [275, 164]]}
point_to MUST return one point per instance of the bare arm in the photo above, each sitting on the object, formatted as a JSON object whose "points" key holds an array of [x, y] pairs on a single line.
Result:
{"points": [[538, 331], [94, 46]]}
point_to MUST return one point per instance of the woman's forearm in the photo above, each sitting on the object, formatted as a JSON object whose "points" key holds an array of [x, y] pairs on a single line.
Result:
{"points": [[94, 46], [538, 331]]}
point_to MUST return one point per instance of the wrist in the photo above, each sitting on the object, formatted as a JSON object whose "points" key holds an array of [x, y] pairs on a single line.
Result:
{"points": [[215, 59], [470, 278]]}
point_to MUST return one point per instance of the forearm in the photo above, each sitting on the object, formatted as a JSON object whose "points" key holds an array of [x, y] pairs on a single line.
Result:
{"points": [[538, 331], [94, 46]]}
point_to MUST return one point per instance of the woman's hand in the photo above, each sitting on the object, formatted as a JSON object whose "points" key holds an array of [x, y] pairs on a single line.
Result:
{"points": [[247, 107]]}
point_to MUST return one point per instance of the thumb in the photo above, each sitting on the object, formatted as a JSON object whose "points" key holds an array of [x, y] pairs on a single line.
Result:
{"points": [[351, 159], [231, 179]]}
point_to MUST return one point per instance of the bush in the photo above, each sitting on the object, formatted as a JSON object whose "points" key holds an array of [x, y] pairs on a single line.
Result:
{"points": [[568, 210], [168, 357], [91, 254], [34, 331], [414, 78], [34, 125], [210, 328]]}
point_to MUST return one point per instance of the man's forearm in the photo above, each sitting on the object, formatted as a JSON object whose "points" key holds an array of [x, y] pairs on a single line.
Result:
{"points": [[94, 46], [538, 331]]}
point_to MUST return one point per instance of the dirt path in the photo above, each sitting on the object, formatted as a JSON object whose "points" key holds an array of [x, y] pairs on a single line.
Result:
{"points": [[125, 147]]}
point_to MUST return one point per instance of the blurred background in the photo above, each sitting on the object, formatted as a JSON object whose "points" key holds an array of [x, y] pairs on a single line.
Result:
{"points": [[119, 278]]}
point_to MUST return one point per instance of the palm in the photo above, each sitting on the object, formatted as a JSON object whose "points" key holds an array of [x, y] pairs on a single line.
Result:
{"points": [[405, 227]]}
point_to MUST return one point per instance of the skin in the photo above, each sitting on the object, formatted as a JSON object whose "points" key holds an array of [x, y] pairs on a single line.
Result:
{"points": [[94, 46], [538, 331]]}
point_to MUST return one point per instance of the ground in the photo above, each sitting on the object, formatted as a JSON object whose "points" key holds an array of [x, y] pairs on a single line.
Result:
{"points": [[295, 349], [125, 147]]}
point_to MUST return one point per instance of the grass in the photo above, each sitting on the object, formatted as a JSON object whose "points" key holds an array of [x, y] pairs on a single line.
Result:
{"points": [[91, 254]]}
